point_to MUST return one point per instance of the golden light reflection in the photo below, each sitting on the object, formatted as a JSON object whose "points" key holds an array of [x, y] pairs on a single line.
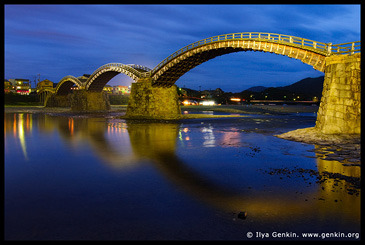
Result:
{"points": [[153, 140], [21, 133], [71, 125], [14, 125], [22, 136], [118, 127], [334, 192], [29, 122], [338, 167]]}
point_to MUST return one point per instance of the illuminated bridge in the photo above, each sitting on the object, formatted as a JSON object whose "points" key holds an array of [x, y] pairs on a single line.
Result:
{"points": [[152, 85]]}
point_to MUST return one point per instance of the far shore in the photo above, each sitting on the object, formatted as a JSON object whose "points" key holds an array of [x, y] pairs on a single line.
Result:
{"points": [[234, 109]]}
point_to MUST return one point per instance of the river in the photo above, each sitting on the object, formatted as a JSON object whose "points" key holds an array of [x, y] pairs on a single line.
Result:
{"points": [[84, 177]]}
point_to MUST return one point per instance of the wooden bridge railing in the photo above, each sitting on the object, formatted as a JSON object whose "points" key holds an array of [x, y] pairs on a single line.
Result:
{"points": [[346, 48]]}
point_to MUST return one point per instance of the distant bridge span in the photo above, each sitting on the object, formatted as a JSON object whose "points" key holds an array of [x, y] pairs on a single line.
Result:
{"points": [[105, 73], [66, 83]]}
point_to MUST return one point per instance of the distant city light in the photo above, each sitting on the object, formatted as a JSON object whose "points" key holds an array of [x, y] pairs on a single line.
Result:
{"points": [[186, 102], [235, 99], [207, 102]]}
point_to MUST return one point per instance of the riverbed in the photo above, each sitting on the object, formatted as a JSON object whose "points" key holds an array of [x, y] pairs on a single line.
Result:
{"points": [[98, 177]]}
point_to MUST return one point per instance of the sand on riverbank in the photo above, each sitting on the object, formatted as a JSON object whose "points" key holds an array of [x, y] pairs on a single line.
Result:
{"points": [[342, 148], [313, 136]]}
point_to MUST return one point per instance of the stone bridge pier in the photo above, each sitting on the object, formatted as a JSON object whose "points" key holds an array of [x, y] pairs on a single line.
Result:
{"points": [[54, 100], [88, 101], [148, 102], [340, 107], [80, 101]]}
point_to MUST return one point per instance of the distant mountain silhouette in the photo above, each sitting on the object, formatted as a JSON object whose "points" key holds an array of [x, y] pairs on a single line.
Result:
{"points": [[304, 90], [257, 88], [307, 87]]}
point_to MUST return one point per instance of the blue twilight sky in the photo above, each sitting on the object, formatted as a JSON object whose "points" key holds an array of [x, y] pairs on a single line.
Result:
{"points": [[59, 40]]}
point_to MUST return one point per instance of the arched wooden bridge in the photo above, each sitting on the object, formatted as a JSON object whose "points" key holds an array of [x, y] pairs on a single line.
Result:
{"points": [[168, 71], [105, 73]]}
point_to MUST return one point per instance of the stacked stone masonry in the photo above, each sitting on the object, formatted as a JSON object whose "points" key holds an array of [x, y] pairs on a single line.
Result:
{"points": [[85, 101], [340, 108], [54, 100], [151, 102]]}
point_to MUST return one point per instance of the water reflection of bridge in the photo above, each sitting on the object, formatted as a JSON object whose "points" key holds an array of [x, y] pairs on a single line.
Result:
{"points": [[124, 145]]}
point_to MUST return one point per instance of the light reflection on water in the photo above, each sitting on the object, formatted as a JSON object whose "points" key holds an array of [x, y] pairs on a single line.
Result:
{"points": [[208, 170]]}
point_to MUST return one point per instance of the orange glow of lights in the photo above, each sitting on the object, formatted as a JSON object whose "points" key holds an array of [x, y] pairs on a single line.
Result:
{"points": [[14, 126], [185, 102], [27, 123], [235, 99], [71, 125]]}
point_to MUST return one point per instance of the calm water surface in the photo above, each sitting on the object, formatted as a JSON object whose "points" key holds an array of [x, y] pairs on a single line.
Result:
{"points": [[78, 177]]}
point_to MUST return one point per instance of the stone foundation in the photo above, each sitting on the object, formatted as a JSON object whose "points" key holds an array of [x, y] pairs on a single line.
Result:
{"points": [[147, 102], [86, 101], [54, 100], [339, 111]]}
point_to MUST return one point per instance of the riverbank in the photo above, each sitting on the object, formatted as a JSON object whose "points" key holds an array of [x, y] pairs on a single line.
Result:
{"points": [[254, 109], [342, 148], [236, 109], [59, 110], [115, 111]]}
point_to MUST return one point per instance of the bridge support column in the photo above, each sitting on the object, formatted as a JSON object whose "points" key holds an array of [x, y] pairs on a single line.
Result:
{"points": [[339, 111], [147, 102], [87, 101], [54, 100]]}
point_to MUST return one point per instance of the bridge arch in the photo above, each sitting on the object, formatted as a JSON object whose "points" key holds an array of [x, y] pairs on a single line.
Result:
{"points": [[105, 73], [64, 86], [167, 72], [44, 93]]}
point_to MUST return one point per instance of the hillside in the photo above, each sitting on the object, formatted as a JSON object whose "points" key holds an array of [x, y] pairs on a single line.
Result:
{"points": [[306, 89], [257, 89]]}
